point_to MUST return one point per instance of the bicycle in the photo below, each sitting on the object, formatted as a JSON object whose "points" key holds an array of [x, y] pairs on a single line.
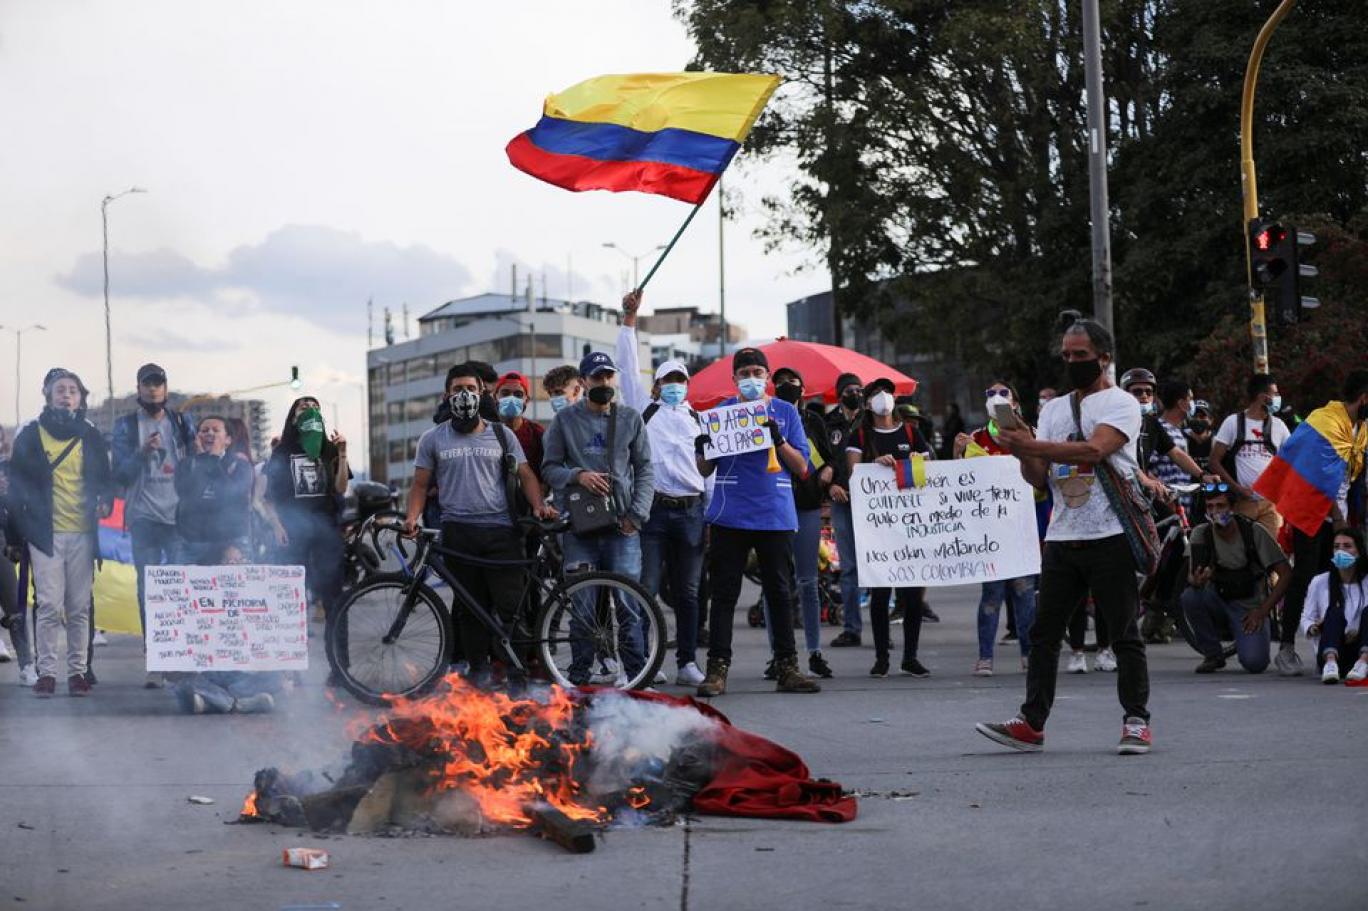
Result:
{"points": [[391, 635]]}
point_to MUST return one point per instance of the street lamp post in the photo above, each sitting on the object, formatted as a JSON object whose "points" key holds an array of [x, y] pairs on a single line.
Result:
{"points": [[109, 335], [18, 356], [636, 260]]}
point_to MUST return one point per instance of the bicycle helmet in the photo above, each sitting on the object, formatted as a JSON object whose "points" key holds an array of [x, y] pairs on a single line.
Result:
{"points": [[1137, 375]]}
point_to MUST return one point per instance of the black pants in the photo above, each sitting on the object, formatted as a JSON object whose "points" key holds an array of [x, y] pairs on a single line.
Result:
{"points": [[1078, 628], [911, 600], [1310, 558], [727, 553], [1069, 571], [498, 589]]}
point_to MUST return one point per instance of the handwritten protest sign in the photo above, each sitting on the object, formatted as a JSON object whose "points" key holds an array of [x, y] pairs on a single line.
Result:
{"points": [[735, 430], [226, 618], [974, 521]]}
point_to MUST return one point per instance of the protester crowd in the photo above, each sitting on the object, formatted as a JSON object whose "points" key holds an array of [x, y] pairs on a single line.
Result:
{"points": [[1104, 460]]}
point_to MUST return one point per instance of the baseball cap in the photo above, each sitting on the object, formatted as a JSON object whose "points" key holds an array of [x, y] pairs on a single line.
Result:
{"points": [[844, 380], [514, 376], [749, 357], [669, 367], [787, 371], [152, 373], [596, 362], [882, 384]]}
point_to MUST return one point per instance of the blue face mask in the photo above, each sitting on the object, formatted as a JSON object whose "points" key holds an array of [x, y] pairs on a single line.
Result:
{"points": [[673, 393], [1343, 559], [558, 402], [1147, 408], [1276, 404], [1222, 519], [751, 388], [510, 406]]}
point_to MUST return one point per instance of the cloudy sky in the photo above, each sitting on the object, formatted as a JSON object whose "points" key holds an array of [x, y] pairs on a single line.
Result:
{"points": [[303, 156]]}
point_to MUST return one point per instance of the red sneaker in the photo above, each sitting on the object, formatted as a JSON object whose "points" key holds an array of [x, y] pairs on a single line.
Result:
{"points": [[45, 686], [1016, 734], [1135, 737], [78, 685]]}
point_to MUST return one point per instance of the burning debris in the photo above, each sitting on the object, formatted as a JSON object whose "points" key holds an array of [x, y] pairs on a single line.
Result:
{"points": [[564, 764]]}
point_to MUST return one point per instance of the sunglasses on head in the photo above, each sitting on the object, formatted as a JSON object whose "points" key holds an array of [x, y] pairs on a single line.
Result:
{"points": [[1216, 488], [997, 392]]}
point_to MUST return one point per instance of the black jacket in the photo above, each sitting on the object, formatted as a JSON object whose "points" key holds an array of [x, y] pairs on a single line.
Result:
{"points": [[31, 485], [214, 497], [809, 492], [837, 427]]}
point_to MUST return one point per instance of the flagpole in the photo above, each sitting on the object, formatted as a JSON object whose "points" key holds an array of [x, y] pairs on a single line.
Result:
{"points": [[675, 239]]}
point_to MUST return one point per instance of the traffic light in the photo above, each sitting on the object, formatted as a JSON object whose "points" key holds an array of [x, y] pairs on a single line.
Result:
{"points": [[295, 381], [1276, 269]]}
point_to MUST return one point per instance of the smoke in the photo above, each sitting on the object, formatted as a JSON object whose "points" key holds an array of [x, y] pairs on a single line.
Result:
{"points": [[635, 740]]}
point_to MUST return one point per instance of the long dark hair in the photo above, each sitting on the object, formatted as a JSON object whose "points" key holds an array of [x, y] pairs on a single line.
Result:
{"points": [[289, 435], [1360, 568]]}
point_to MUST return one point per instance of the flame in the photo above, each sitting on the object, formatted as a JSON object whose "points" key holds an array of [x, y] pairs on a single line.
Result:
{"points": [[637, 797], [249, 806], [510, 754]]}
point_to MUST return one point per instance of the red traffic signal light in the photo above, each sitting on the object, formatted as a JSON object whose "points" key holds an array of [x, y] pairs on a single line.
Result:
{"points": [[1275, 268]]}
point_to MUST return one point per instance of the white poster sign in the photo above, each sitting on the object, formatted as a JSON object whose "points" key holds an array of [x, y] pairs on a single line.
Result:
{"points": [[974, 521], [226, 618], [735, 429]]}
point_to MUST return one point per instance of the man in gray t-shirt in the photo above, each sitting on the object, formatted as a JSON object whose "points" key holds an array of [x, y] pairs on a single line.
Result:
{"points": [[470, 461]]}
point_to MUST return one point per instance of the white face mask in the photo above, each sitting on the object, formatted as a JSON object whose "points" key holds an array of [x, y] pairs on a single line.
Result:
{"points": [[881, 403]]}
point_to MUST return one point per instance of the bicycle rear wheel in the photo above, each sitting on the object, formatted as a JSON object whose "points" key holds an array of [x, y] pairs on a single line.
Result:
{"points": [[601, 628], [373, 670]]}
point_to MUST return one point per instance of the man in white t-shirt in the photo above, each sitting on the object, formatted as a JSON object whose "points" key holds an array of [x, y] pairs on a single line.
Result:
{"points": [[1086, 551], [1250, 451]]}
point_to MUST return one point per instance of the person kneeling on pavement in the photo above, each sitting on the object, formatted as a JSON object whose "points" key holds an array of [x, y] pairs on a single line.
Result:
{"points": [[1335, 612], [1230, 560]]}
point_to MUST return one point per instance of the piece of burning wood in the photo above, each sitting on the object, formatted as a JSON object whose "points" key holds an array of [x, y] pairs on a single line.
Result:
{"points": [[572, 835], [331, 810]]}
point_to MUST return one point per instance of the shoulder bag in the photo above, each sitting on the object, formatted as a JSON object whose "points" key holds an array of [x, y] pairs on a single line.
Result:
{"points": [[1131, 506]]}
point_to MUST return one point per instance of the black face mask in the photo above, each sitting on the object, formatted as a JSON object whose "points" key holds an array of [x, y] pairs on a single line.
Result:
{"points": [[1199, 426], [61, 422], [788, 392], [851, 400], [600, 395], [1083, 374]]}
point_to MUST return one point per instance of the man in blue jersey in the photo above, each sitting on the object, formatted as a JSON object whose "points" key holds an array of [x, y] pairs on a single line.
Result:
{"points": [[752, 509]]}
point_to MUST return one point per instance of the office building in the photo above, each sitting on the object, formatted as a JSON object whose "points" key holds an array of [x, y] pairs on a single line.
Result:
{"points": [[252, 412]]}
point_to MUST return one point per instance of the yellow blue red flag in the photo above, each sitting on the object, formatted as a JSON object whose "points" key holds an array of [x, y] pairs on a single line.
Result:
{"points": [[672, 134]]}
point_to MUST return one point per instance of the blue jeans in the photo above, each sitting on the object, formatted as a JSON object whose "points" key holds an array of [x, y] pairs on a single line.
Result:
{"points": [[805, 546], [1204, 609], [843, 525], [220, 690], [1022, 593], [612, 552], [672, 541], [154, 544]]}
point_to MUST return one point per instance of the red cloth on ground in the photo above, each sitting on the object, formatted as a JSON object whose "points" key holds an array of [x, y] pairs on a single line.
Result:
{"points": [[756, 777]]}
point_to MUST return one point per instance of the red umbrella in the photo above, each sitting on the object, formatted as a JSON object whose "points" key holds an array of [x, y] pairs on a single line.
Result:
{"points": [[819, 366]]}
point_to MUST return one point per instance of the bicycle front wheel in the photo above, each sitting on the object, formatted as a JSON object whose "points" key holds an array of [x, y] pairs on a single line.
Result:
{"points": [[601, 628], [415, 657]]}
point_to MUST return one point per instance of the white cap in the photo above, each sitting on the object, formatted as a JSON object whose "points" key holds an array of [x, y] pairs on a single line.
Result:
{"points": [[669, 367]]}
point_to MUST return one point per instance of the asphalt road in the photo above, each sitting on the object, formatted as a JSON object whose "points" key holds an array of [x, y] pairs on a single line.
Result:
{"points": [[1253, 796]]}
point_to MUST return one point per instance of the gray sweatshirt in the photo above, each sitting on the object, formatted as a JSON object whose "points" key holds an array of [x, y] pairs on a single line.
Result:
{"points": [[576, 441]]}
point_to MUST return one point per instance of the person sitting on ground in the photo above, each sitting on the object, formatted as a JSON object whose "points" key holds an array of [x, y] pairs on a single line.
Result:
{"points": [[883, 439], [1230, 559], [214, 498], [1334, 611]]}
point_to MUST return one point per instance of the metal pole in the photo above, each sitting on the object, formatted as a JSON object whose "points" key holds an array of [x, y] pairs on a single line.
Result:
{"points": [[1258, 322], [721, 273], [1100, 209], [109, 337]]}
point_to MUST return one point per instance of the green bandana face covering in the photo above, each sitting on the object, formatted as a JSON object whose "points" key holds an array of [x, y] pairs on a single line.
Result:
{"points": [[310, 425]]}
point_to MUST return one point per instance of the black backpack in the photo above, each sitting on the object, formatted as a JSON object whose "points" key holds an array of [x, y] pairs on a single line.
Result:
{"points": [[652, 408], [1238, 584], [1228, 462]]}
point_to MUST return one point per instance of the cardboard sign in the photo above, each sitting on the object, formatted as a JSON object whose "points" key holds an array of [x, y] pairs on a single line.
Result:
{"points": [[226, 618], [735, 429], [974, 521]]}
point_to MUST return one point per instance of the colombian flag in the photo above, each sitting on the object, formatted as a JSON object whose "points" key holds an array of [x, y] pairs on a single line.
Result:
{"points": [[1305, 477], [672, 134]]}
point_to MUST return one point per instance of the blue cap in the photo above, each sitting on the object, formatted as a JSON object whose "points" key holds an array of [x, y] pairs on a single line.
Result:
{"points": [[596, 362]]}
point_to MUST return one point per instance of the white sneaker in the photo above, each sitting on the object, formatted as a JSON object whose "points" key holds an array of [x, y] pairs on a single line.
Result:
{"points": [[1330, 672], [689, 675], [1078, 663], [100, 638], [1359, 671], [4, 652], [1106, 660], [28, 675], [197, 705], [660, 678], [1288, 662], [983, 667]]}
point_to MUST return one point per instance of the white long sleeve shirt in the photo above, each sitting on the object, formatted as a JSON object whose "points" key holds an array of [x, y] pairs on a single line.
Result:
{"points": [[672, 428], [1318, 602]]}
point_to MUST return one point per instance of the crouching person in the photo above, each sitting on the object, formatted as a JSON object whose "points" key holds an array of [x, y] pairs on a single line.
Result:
{"points": [[214, 491], [1231, 558]]}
